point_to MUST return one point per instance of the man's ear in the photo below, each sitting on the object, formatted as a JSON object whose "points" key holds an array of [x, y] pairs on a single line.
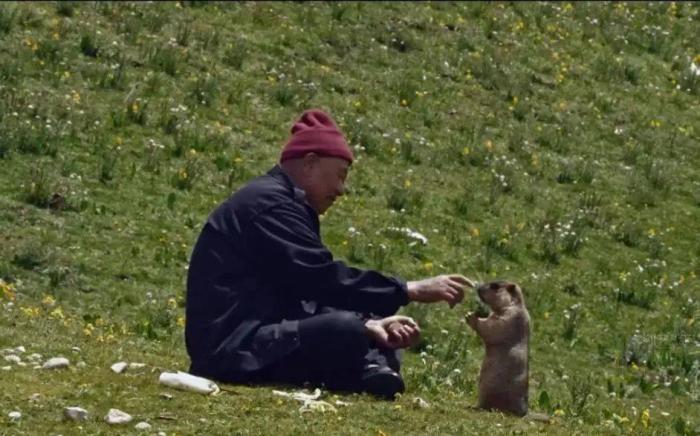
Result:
{"points": [[310, 160]]}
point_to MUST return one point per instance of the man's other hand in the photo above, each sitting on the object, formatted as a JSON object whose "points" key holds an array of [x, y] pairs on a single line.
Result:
{"points": [[447, 287], [393, 332]]}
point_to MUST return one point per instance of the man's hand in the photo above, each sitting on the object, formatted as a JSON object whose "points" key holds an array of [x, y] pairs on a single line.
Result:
{"points": [[394, 331], [448, 287]]}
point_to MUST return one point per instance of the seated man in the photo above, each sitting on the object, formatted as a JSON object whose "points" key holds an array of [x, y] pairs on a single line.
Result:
{"points": [[266, 302]]}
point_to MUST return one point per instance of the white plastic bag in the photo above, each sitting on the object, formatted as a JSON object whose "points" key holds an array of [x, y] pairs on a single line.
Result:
{"points": [[188, 382]]}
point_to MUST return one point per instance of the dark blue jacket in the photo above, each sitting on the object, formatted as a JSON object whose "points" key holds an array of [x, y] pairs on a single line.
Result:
{"points": [[259, 266]]}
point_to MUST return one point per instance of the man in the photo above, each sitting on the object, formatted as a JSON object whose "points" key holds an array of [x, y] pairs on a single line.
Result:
{"points": [[266, 302]]}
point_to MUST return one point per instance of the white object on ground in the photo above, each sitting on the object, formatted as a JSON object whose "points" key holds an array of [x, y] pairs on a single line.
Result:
{"points": [[188, 382], [143, 425], [300, 395], [14, 416], [317, 406], [12, 358], [34, 357], [341, 403], [116, 416], [35, 397], [56, 362], [20, 350], [311, 401], [75, 349], [412, 234], [6, 368], [119, 367], [75, 413], [420, 403], [134, 365]]}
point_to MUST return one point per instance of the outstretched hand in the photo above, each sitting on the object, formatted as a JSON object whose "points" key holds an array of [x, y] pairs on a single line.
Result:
{"points": [[394, 332], [446, 287]]}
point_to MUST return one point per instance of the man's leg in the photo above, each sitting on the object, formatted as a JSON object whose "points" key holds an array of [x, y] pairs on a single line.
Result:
{"points": [[334, 350]]}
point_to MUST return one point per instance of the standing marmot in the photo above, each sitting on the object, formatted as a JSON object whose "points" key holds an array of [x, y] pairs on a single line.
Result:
{"points": [[503, 381]]}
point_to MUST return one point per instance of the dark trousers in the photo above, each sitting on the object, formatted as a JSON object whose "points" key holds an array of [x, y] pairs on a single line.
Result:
{"points": [[333, 351]]}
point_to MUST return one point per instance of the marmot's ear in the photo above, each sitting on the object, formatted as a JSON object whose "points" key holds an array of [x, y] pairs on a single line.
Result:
{"points": [[515, 292]]}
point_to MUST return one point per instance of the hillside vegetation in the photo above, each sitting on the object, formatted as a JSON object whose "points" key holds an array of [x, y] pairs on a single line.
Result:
{"points": [[551, 144]]}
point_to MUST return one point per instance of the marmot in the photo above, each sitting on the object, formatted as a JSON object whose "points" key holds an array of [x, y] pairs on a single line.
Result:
{"points": [[503, 380]]}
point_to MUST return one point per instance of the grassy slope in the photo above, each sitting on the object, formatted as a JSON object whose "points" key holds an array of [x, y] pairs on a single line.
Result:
{"points": [[486, 127]]}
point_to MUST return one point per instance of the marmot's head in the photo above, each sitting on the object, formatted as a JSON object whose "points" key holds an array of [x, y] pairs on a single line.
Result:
{"points": [[500, 294]]}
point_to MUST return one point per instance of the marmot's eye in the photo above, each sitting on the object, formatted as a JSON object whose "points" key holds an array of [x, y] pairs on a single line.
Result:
{"points": [[494, 286]]}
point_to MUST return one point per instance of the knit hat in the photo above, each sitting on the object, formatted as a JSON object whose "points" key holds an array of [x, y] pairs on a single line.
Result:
{"points": [[316, 132]]}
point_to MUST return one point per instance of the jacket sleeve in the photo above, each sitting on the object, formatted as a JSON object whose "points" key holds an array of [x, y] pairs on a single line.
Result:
{"points": [[291, 253]]}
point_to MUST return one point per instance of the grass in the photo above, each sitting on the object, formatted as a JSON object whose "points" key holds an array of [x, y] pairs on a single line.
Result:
{"points": [[553, 144]]}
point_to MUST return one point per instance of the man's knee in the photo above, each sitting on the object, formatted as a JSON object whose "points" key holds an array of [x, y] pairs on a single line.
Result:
{"points": [[341, 329]]}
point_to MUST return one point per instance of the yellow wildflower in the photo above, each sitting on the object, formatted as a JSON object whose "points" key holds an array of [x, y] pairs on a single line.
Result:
{"points": [[465, 151], [489, 145], [559, 412], [48, 300], [428, 266], [181, 321], [645, 418], [57, 313], [407, 183], [30, 312], [172, 303], [474, 232], [7, 290]]}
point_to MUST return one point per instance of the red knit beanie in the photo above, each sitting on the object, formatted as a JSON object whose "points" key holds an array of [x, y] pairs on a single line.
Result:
{"points": [[316, 132]]}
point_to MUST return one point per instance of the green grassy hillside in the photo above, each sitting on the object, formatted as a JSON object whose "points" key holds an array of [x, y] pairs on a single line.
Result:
{"points": [[552, 144]]}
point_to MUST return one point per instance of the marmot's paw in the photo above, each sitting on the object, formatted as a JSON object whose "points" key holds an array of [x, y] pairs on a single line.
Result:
{"points": [[471, 319]]}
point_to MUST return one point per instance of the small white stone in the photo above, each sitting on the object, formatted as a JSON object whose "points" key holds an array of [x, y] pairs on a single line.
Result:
{"points": [[162, 433], [420, 403], [142, 426], [20, 350], [14, 416], [34, 357], [119, 367], [6, 368], [6, 351], [21, 364], [56, 363], [12, 358], [75, 349], [75, 413], [166, 396], [134, 365], [116, 416], [37, 367]]}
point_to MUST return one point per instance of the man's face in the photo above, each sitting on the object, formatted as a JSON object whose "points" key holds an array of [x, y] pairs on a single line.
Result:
{"points": [[324, 181]]}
